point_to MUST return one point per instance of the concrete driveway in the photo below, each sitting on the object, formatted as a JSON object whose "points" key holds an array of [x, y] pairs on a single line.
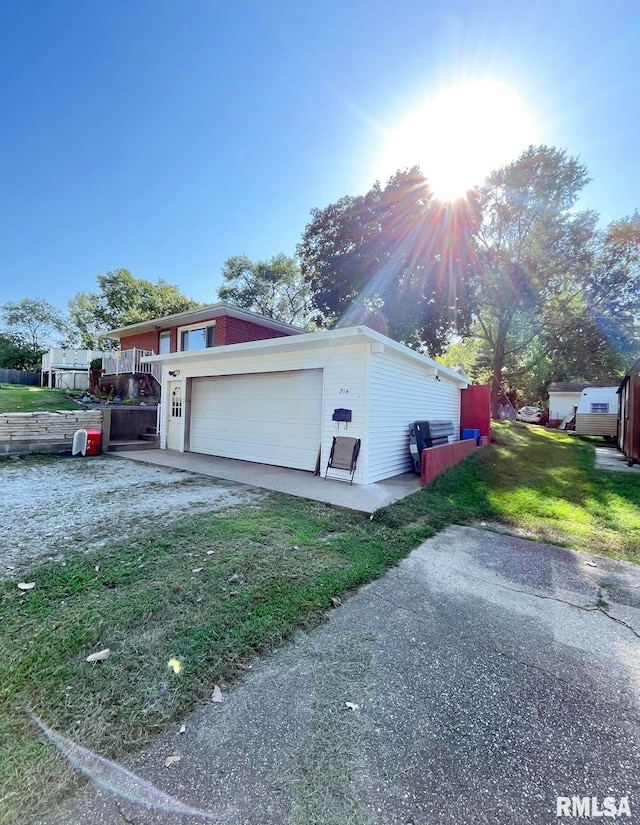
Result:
{"points": [[361, 498], [487, 676]]}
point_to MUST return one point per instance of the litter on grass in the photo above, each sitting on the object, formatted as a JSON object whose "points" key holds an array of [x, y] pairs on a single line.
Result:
{"points": [[100, 656]]}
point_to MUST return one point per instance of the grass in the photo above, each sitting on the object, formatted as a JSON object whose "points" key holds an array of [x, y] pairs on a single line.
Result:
{"points": [[545, 483], [541, 484], [19, 398], [266, 570]]}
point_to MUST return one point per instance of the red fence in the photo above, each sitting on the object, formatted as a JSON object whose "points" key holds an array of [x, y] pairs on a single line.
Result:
{"points": [[436, 460], [475, 409]]}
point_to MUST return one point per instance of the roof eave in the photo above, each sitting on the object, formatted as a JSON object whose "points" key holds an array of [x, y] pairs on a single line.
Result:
{"points": [[360, 334], [210, 311]]}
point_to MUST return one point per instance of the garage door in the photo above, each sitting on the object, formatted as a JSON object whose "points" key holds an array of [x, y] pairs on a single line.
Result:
{"points": [[271, 418]]}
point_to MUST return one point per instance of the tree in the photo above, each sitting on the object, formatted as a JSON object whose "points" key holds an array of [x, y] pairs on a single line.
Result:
{"points": [[122, 300], [15, 355], [470, 353], [274, 288], [613, 293], [32, 323], [395, 259], [537, 258], [84, 329]]}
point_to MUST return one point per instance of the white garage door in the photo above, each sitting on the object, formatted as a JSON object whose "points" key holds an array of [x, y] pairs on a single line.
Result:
{"points": [[271, 417]]}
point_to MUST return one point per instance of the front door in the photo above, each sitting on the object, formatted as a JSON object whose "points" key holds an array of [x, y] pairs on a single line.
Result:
{"points": [[176, 409]]}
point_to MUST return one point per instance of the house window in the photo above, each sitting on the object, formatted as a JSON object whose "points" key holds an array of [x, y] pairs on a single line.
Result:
{"points": [[176, 403], [165, 343], [195, 338], [600, 408]]}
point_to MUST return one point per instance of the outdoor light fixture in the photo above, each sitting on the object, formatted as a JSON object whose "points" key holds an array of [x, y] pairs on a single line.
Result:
{"points": [[174, 373]]}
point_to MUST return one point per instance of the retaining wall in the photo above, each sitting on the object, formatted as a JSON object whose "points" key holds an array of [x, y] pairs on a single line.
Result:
{"points": [[127, 423], [44, 432], [436, 460]]}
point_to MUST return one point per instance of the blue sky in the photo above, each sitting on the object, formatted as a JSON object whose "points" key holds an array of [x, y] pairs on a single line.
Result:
{"points": [[164, 137]]}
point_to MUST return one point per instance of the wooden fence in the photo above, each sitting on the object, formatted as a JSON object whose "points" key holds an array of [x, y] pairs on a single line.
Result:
{"points": [[30, 379]]}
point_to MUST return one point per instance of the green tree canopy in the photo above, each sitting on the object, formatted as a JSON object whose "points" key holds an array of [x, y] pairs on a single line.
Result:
{"points": [[395, 259], [124, 300], [16, 355], [274, 288], [547, 286], [121, 300], [84, 329], [32, 324]]}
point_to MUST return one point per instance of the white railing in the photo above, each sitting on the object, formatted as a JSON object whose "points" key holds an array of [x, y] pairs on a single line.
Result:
{"points": [[59, 357], [127, 361]]}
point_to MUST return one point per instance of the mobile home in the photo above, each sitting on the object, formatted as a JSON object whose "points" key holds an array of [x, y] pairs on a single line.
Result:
{"points": [[597, 412]]}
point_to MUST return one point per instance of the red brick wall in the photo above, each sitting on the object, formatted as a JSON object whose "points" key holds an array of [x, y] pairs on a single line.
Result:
{"points": [[143, 340], [237, 331], [436, 460], [228, 331]]}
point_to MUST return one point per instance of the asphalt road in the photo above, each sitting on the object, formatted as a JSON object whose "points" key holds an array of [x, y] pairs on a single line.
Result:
{"points": [[487, 676]]}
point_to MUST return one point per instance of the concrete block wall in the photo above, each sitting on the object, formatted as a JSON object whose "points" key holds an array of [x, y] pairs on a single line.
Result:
{"points": [[44, 432]]}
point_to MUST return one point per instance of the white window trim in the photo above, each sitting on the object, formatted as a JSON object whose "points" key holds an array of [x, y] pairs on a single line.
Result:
{"points": [[188, 328]]}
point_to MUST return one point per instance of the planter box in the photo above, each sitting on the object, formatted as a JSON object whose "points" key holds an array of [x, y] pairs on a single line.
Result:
{"points": [[437, 460]]}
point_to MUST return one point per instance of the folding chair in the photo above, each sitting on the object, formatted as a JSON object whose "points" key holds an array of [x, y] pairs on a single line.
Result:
{"points": [[344, 455]]}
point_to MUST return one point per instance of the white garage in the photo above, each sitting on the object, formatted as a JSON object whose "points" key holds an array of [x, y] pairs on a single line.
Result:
{"points": [[281, 401], [269, 417]]}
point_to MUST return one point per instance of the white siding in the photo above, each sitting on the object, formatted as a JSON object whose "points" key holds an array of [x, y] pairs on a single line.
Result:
{"points": [[345, 387], [345, 380], [162, 422], [385, 392], [561, 404], [402, 392], [599, 395], [597, 423]]}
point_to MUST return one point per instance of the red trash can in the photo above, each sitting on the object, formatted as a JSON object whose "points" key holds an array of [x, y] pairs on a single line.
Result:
{"points": [[94, 438]]}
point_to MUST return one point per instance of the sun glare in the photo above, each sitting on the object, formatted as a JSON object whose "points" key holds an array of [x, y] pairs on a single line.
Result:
{"points": [[460, 136]]}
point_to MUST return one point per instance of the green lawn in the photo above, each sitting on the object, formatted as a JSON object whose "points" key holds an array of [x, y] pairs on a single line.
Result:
{"points": [[263, 570], [543, 484], [18, 398]]}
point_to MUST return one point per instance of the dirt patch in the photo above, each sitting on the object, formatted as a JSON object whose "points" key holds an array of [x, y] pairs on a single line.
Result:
{"points": [[53, 506]]}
